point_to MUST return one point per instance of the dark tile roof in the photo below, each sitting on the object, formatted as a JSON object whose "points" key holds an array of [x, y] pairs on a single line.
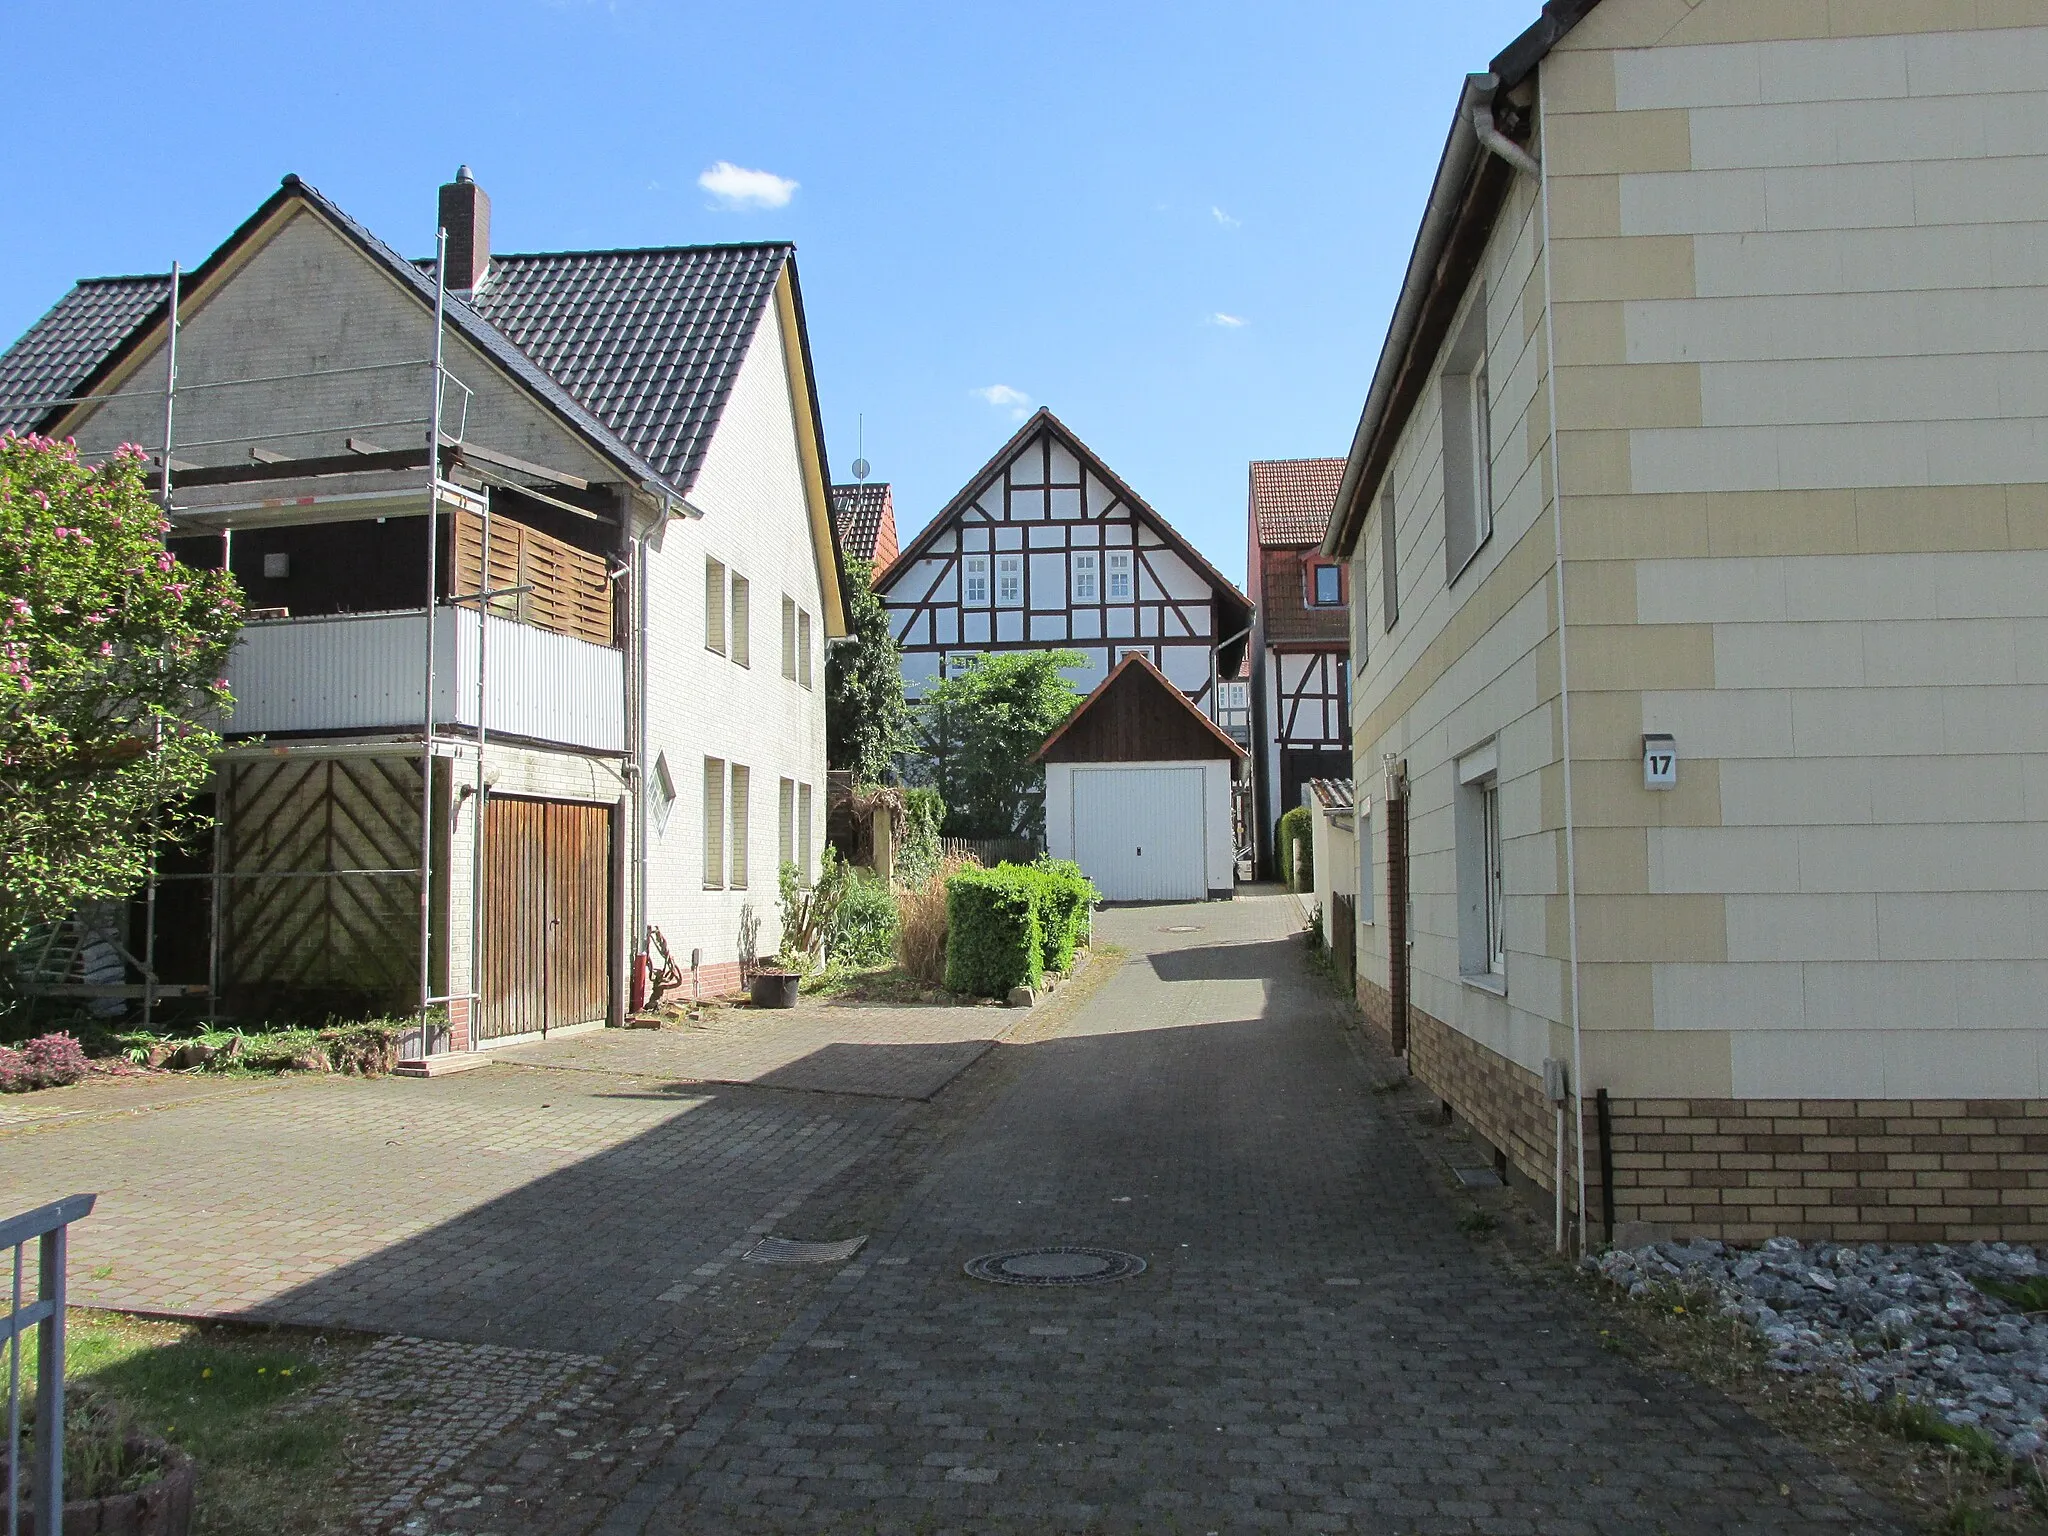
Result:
{"points": [[649, 342], [860, 510], [637, 349], [1292, 498], [67, 344]]}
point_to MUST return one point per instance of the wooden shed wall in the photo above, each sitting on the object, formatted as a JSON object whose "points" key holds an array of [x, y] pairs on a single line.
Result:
{"points": [[1136, 719]]}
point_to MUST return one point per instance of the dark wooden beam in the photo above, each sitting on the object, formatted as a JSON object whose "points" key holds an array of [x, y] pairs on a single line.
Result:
{"points": [[480, 455], [296, 469]]}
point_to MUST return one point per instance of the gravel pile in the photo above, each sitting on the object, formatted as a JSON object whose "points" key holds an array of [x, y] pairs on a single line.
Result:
{"points": [[1889, 1322]]}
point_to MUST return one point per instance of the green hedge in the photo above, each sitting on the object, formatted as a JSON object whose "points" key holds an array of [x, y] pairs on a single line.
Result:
{"points": [[1296, 828], [1065, 895], [993, 941], [1006, 927]]}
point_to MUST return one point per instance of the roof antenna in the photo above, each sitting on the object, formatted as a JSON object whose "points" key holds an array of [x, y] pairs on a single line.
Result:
{"points": [[861, 468]]}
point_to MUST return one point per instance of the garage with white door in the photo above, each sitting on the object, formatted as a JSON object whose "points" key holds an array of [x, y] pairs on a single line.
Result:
{"points": [[1137, 791]]}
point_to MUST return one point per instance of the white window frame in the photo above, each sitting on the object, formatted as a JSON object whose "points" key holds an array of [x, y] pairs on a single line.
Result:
{"points": [[1482, 885], [714, 823], [661, 794], [1121, 568], [1009, 581], [974, 583], [1467, 402], [1087, 576], [737, 800], [714, 605], [739, 612]]}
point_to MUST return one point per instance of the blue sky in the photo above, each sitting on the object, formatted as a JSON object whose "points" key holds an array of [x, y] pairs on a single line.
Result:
{"points": [[1181, 227]]}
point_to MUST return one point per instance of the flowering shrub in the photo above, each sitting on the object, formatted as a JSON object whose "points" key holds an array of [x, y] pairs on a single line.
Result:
{"points": [[48, 1061], [111, 655]]}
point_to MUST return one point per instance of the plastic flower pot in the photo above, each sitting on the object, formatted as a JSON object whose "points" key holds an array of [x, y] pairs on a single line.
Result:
{"points": [[776, 989]]}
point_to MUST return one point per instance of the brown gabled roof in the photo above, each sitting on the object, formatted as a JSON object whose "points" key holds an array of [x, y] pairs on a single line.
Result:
{"points": [[1226, 589], [1291, 499], [866, 515], [1137, 669]]}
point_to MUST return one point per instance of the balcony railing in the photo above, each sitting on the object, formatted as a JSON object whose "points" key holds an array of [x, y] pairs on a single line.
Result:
{"points": [[367, 672]]}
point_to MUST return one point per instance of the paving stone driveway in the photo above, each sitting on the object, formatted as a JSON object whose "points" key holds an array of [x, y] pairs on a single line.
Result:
{"points": [[1313, 1347]]}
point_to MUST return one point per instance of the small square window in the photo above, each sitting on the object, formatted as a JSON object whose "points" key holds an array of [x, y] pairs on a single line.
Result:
{"points": [[1328, 588]]}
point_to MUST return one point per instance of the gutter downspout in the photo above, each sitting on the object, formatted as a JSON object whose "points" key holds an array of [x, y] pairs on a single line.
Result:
{"points": [[1489, 136], [1564, 674]]}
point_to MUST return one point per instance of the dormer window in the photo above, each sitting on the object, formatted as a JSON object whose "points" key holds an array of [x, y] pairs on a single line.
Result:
{"points": [[1326, 586]]}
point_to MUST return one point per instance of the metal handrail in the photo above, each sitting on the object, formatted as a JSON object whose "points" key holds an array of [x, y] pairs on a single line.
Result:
{"points": [[47, 1227]]}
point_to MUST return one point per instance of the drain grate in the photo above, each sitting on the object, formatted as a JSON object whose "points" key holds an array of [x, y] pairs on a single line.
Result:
{"points": [[1056, 1266], [783, 1250], [1478, 1178], [1183, 928]]}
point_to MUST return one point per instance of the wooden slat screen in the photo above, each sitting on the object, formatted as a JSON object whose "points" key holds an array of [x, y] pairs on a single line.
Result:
{"points": [[572, 592]]}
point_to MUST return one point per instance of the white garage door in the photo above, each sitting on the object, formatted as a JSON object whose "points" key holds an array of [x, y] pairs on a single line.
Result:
{"points": [[1138, 832]]}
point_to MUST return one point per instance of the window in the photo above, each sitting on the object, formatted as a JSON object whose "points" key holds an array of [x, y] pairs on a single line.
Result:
{"points": [[974, 581], [741, 782], [785, 824], [803, 648], [1009, 580], [714, 605], [789, 638], [661, 793], [1390, 566], [1119, 575], [742, 604], [803, 834], [714, 823], [1085, 577], [1482, 932], [1326, 586], [1468, 445], [1361, 824]]}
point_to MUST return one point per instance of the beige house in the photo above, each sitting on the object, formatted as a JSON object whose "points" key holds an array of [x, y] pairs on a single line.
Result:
{"points": [[1723, 353]]}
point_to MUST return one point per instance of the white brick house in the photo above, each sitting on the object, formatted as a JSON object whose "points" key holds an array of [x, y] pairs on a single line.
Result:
{"points": [[634, 576]]}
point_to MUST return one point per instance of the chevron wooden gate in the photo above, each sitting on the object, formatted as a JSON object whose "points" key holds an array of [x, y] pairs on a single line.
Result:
{"points": [[321, 909]]}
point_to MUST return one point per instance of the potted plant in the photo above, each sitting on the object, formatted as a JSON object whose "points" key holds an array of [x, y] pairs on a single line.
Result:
{"points": [[115, 1477], [807, 913], [775, 984]]}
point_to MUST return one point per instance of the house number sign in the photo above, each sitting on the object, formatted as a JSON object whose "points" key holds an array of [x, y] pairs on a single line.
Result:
{"points": [[1660, 762]]}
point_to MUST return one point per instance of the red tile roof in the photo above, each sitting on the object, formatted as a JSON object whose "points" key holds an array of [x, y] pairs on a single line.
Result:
{"points": [[1292, 499], [866, 515]]}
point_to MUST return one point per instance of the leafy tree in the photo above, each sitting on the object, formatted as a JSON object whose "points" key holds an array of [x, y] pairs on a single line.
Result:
{"points": [[978, 728], [866, 721], [111, 655]]}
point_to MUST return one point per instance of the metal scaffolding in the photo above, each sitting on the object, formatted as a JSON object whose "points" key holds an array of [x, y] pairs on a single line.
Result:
{"points": [[433, 741]]}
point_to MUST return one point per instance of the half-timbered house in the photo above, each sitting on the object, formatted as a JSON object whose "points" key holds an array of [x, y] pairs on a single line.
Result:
{"points": [[516, 679], [1301, 640], [1047, 547]]}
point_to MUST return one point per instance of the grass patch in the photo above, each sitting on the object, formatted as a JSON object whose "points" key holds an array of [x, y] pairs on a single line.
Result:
{"points": [[1477, 1221], [1918, 1422], [216, 1391]]}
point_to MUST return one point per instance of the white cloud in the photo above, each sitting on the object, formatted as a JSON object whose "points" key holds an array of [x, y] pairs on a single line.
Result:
{"points": [[1225, 219], [1228, 322], [1018, 403], [737, 187]]}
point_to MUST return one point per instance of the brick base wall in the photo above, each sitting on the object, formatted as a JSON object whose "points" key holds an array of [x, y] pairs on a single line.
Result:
{"points": [[458, 1024], [1501, 1101], [1895, 1170]]}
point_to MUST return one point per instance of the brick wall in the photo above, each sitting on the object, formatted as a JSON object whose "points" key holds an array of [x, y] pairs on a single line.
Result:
{"points": [[1501, 1101], [1889, 1170]]}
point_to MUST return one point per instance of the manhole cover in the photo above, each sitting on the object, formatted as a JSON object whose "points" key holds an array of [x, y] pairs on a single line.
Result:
{"points": [[783, 1250], [1056, 1266]]}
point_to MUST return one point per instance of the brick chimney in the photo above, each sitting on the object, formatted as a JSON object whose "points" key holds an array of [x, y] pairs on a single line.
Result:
{"points": [[466, 215]]}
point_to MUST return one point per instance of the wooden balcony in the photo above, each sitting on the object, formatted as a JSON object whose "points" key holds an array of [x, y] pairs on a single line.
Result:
{"points": [[566, 590]]}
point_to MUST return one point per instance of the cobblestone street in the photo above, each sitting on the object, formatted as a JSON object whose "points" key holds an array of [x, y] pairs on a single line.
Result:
{"points": [[1313, 1344]]}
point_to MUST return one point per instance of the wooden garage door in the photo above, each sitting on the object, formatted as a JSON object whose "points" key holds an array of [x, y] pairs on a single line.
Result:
{"points": [[547, 915], [1138, 832]]}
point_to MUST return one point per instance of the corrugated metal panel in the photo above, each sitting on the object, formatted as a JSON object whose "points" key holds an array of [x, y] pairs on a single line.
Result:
{"points": [[368, 673]]}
